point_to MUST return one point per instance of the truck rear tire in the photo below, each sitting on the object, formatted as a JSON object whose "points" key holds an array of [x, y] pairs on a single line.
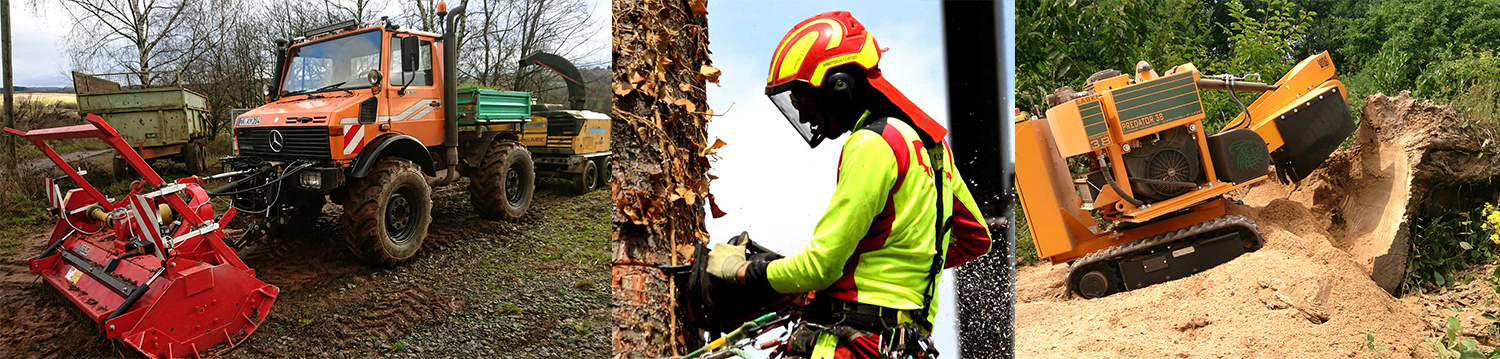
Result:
{"points": [[194, 157], [501, 187], [588, 180], [387, 213]]}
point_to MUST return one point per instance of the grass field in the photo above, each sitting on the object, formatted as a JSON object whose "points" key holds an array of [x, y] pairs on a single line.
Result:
{"points": [[48, 98]]}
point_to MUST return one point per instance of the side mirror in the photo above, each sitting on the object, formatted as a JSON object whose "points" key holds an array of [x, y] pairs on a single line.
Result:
{"points": [[375, 77], [409, 53]]}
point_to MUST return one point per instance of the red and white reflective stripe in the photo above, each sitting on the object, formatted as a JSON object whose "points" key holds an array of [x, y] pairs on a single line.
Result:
{"points": [[146, 220], [354, 136]]}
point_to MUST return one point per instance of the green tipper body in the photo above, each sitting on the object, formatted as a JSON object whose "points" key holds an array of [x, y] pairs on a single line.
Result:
{"points": [[484, 106], [151, 117]]}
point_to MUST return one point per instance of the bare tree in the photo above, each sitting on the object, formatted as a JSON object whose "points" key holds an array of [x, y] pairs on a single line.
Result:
{"points": [[235, 63], [423, 13], [357, 10], [134, 35], [555, 26], [496, 33]]}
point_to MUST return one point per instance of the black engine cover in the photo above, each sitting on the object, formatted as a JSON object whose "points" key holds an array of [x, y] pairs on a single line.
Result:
{"points": [[1171, 155]]}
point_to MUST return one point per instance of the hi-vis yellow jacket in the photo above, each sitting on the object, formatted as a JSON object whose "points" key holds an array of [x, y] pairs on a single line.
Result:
{"points": [[875, 243]]}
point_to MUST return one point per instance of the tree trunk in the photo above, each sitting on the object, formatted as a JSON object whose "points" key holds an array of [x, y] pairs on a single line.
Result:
{"points": [[659, 176]]}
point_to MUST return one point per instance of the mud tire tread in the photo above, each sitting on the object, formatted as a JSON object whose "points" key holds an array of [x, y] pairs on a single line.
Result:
{"points": [[487, 182], [363, 218]]}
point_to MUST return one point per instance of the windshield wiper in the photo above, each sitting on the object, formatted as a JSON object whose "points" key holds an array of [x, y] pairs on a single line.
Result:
{"points": [[298, 92]]}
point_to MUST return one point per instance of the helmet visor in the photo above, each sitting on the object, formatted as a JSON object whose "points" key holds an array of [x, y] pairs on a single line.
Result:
{"points": [[792, 107]]}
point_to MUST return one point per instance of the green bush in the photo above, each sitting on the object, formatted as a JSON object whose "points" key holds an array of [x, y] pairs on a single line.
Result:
{"points": [[1025, 246], [1449, 243], [1455, 347]]}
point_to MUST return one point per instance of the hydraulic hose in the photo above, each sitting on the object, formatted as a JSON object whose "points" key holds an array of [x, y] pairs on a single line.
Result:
{"points": [[1109, 176], [221, 191]]}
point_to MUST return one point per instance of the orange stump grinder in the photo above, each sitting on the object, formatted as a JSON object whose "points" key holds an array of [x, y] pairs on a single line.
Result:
{"points": [[152, 269]]}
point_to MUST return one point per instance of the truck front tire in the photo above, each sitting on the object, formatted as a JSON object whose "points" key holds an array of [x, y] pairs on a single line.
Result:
{"points": [[387, 213], [501, 187]]}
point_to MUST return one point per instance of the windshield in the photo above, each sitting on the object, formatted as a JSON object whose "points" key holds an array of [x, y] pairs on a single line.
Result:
{"points": [[322, 65]]}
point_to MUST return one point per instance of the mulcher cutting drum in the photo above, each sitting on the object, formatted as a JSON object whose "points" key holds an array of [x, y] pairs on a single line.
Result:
{"points": [[151, 269]]}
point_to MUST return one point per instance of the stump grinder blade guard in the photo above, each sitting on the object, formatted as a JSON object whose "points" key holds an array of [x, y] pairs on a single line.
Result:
{"points": [[151, 269]]}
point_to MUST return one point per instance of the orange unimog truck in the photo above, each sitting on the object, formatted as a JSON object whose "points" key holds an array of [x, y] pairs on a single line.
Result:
{"points": [[368, 116]]}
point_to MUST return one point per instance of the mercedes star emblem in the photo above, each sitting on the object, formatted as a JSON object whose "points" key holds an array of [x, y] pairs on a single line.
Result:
{"points": [[277, 143]]}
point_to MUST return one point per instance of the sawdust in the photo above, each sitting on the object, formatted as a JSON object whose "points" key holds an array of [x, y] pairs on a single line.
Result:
{"points": [[1335, 250], [1298, 297]]}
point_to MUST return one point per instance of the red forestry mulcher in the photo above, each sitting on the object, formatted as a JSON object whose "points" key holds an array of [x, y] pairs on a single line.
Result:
{"points": [[152, 268]]}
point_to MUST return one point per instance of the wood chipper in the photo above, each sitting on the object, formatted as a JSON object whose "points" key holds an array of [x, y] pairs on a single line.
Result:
{"points": [[159, 118], [369, 116], [1153, 175], [566, 139], [152, 269]]}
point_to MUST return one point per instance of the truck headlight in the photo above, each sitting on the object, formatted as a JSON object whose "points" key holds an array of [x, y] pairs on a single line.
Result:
{"points": [[311, 180]]}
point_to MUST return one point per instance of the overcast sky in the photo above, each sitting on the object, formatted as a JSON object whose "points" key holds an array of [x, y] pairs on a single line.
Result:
{"points": [[39, 59], [770, 182]]}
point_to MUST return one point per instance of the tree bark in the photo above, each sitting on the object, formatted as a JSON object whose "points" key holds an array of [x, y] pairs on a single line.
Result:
{"points": [[659, 176]]}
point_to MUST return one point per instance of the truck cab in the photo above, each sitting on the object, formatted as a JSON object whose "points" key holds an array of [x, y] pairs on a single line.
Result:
{"points": [[369, 117]]}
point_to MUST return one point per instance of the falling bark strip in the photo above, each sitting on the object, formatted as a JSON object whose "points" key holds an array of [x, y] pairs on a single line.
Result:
{"points": [[659, 176]]}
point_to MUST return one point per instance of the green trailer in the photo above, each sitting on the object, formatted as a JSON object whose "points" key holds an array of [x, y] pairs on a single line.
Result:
{"points": [[493, 107], [160, 119]]}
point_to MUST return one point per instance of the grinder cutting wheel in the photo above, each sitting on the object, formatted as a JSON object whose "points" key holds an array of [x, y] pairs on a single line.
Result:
{"points": [[900, 212]]}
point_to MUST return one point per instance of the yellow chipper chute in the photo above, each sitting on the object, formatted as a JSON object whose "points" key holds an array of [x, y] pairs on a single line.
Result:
{"points": [[1156, 178]]}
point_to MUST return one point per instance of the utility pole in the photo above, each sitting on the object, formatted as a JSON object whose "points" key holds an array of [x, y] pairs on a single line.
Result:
{"points": [[10, 96]]}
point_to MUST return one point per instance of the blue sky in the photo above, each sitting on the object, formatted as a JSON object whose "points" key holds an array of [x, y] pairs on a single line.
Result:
{"points": [[769, 182]]}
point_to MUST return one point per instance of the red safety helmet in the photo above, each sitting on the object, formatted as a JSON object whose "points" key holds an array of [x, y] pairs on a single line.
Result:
{"points": [[823, 42]]}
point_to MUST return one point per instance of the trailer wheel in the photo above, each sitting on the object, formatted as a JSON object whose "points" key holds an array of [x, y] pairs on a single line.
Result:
{"points": [[501, 187], [604, 171], [194, 157], [387, 213], [122, 169], [588, 180]]}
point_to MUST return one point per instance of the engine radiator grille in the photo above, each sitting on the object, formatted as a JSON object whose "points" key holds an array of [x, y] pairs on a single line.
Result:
{"points": [[296, 142]]}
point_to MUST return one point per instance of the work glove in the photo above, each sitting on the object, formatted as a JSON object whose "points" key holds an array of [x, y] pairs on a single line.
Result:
{"points": [[725, 259]]}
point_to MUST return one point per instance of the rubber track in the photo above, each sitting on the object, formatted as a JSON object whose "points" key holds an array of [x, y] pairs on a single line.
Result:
{"points": [[1144, 244]]}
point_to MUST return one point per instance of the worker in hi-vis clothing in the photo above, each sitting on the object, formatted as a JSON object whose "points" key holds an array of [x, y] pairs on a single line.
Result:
{"points": [[873, 258]]}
